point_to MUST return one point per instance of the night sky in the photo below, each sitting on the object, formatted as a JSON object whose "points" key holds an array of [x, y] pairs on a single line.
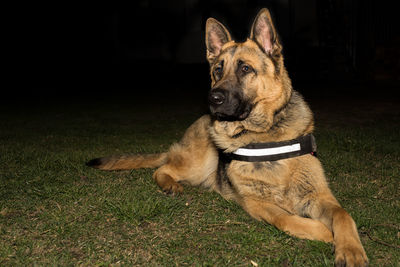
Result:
{"points": [[91, 48]]}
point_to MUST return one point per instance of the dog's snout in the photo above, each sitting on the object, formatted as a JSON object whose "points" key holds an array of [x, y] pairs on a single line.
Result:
{"points": [[228, 104], [216, 98]]}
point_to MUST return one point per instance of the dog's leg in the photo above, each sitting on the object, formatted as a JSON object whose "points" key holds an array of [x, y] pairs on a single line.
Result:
{"points": [[167, 183], [348, 248], [186, 165], [292, 224], [192, 161]]}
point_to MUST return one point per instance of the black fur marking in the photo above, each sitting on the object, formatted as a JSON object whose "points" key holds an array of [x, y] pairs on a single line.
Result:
{"points": [[275, 60], [239, 134], [258, 165], [222, 177], [94, 162]]}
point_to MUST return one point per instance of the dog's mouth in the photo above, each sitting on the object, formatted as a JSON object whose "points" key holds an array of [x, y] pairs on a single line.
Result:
{"points": [[244, 115], [237, 116]]}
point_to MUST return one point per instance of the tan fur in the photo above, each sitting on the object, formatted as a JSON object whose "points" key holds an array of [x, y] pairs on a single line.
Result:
{"points": [[291, 194], [129, 162]]}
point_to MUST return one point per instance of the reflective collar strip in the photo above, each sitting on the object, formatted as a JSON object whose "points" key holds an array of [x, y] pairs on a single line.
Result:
{"points": [[257, 152], [267, 151]]}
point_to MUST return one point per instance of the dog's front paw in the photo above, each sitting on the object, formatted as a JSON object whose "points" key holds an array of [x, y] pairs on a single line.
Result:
{"points": [[350, 255]]}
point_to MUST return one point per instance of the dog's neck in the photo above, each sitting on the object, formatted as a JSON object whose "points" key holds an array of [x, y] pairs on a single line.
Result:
{"points": [[291, 120]]}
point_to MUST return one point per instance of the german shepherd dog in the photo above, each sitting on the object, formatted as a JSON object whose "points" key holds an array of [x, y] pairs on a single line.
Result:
{"points": [[252, 102]]}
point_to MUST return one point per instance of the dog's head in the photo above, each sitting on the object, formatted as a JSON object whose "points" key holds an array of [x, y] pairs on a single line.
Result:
{"points": [[245, 74]]}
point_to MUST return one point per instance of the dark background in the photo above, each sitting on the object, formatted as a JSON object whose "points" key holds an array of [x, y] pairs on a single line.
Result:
{"points": [[153, 46]]}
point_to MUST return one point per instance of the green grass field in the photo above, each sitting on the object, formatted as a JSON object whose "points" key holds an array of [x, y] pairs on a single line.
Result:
{"points": [[56, 211]]}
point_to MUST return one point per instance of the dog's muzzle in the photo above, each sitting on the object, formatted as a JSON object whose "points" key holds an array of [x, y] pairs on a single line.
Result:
{"points": [[228, 105]]}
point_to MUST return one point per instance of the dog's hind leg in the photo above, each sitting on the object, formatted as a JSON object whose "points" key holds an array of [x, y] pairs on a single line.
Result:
{"points": [[168, 184], [292, 224], [192, 161]]}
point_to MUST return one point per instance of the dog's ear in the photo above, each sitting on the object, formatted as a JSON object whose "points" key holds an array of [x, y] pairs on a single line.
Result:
{"points": [[216, 36], [264, 33]]}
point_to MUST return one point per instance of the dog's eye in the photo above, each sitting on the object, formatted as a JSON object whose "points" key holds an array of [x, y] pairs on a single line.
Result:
{"points": [[245, 68], [218, 70], [218, 73]]}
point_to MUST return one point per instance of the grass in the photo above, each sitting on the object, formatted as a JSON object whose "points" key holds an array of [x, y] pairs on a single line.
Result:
{"points": [[56, 211]]}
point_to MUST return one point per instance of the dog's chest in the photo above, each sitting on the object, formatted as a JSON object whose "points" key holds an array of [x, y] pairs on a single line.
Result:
{"points": [[267, 181]]}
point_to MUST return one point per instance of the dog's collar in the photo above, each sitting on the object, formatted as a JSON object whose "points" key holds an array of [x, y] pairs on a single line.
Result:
{"points": [[257, 152]]}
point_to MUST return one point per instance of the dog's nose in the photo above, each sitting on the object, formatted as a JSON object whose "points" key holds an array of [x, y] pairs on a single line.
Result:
{"points": [[216, 98]]}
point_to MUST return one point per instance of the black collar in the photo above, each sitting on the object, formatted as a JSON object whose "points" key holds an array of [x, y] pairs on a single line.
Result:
{"points": [[256, 152]]}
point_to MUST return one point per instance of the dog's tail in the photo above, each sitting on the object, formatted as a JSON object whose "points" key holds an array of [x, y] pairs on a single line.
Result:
{"points": [[128, 162]]}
